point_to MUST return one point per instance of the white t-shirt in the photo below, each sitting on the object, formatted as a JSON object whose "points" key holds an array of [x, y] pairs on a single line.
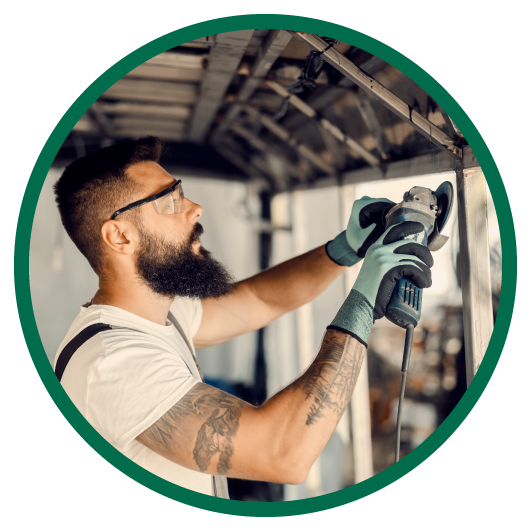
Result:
{"points": [[123, 381]]}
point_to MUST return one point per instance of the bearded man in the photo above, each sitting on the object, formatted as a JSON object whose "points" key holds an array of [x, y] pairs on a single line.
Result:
{"points": [[134, 375]]}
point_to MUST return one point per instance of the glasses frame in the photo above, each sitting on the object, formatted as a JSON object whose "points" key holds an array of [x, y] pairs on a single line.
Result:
{"points": [[141, 202]]}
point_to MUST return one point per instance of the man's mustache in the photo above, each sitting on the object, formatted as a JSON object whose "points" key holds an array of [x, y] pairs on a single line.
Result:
{"points": [[197, 231]]}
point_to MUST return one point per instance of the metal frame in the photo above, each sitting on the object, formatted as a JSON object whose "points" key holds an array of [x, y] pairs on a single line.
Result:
{"points": [[287, 137], [225, 56], [310, 112], [475, 274], [380, 92], [269, 51]]}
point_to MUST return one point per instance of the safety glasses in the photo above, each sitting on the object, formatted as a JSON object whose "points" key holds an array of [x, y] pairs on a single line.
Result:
{"points": [[166, 202]]}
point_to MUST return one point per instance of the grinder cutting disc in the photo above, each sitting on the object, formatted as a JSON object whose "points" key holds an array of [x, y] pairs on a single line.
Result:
{"points": [[444, 194]]}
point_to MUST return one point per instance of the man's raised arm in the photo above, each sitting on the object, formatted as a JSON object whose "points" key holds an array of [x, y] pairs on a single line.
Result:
{"points": [[213, 432], [266, 296]]}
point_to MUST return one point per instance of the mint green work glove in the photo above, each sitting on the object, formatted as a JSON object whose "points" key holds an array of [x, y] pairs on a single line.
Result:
{"points": [[390, 258], [366, 224]]}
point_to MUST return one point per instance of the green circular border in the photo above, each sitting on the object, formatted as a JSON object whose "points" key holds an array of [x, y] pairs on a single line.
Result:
{"points": [[23, 236]]}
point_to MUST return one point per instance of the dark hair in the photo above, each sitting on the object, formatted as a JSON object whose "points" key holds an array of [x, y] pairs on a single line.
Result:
{"points": [[94, 186]]}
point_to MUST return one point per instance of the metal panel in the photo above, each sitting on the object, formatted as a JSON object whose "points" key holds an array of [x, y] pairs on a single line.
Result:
{"points": [[179, 60], [140, 121], [320, 101], [165, 112], [268, 152], [266, 55], [420, 165], [164, 73], [223, 61], [310, 112], [381, 93], [134, 134], [226, 151], [475, 271], [372, 123], [286, 136], [154, 91]]}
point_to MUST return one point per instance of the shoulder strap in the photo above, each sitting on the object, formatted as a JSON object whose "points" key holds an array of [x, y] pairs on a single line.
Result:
{"points": [[75, 344], [177, 325], [220, 484]]}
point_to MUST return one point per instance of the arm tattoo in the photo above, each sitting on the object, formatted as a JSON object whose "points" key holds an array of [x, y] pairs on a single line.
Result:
{"points": [[330, 380], [219, 414]]}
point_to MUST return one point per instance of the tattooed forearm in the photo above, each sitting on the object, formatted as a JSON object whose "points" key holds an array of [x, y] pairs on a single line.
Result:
{"points": [[218, 416], [214, 432], [330, 380]]}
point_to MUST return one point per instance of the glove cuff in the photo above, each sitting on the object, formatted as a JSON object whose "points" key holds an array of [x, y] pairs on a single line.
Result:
{"points": [[355, 317], [339, 251]]}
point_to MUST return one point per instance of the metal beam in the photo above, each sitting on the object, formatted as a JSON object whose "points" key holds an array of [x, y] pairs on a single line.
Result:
{"points": [[223, 61], [372, 122], [129, 109], [324, 99], [380, 92], [164, 73], [454, 131], [475, 274], [270, 49], [226, 151], [287, 137], [420, 165], [310, 112], [193, 61], [280, 183], [263, 147], [152, 91], [334, 148]]}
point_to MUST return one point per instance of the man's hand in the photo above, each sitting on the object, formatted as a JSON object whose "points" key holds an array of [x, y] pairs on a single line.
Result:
{"points": [[366, 224], [391, 257]]}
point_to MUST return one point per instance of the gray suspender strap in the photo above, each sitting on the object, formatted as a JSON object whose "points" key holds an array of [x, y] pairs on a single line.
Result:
{"points": [[176, 323], [220, 484], [69, 350]]}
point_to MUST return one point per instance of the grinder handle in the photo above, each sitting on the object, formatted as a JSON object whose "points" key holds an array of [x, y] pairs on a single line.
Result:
{"points": [[404, 307]]}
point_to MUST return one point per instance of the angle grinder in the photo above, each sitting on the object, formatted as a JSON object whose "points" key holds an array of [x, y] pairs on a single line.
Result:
{"points": [[432, 210]]}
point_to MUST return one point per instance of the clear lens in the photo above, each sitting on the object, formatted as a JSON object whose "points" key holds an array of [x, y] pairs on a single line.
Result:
{"points": [[178, 198], [165, 205], [170, 203]]}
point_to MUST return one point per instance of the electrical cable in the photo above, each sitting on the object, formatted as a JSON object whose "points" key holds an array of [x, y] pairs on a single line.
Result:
{"points": [[404, 370]]}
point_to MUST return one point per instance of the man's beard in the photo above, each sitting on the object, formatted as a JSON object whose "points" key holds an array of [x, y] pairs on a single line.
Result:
{"points": [[175, 270]]}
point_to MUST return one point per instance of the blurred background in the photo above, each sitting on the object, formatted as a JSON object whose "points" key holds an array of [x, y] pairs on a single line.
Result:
{"points": [[274, 183]]}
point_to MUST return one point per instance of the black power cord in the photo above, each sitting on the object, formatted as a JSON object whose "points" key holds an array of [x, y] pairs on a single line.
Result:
{"points": [[404, 370]]}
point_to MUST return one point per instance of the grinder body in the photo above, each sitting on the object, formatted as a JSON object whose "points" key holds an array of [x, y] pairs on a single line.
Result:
{"points": [[432, 210]]}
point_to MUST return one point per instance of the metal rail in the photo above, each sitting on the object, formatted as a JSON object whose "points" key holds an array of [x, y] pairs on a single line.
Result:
{"points": [[271, 48], [287, 137], [475, 274], [310, 112], [380, 92]]}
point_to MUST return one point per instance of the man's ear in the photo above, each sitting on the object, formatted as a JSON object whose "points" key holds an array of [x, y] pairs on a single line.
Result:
{"points": [[119, 236]]}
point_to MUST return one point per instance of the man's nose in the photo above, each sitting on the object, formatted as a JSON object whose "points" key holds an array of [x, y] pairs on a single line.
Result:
{"points": [[193, 211]]}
